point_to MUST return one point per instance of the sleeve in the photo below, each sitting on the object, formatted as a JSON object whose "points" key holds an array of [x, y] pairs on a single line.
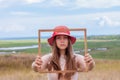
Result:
{"points": [[80, 62], [45, 61]]}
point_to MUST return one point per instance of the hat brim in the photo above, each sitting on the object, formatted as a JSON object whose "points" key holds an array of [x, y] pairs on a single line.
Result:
{"points": [[51, 39]]}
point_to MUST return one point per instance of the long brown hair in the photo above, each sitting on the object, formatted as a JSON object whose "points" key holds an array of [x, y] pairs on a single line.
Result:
{"points": [[70, 60]]}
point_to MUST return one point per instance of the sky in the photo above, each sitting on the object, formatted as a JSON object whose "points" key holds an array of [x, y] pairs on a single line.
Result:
{"points": [[23, 18]]}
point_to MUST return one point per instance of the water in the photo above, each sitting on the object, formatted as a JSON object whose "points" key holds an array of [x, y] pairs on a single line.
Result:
{"points": [[16, 48], [19, 48]]}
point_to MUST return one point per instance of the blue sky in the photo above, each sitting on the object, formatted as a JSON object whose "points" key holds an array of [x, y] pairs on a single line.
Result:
{"points": [[23, 18]]}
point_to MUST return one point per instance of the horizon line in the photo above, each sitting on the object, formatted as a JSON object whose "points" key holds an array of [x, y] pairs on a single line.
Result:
{"points": [[47, 36]]}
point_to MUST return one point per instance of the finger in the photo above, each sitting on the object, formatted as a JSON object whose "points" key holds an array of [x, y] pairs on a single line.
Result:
{"points": [[86, 54], [88, 60], [38, 66], [38, 57], [87, 57], [39, 62]]}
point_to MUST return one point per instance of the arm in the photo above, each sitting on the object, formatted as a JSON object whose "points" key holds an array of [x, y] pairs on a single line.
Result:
{"points": [[81, 65], [40, 63], [85, 63]]}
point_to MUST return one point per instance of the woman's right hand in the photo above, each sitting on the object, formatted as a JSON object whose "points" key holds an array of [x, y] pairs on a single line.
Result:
{"points": [[38, 62]]}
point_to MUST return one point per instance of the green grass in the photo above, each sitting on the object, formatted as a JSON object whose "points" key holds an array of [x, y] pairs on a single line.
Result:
{"points": [[113, 47], [112, 52], [15, 43]]}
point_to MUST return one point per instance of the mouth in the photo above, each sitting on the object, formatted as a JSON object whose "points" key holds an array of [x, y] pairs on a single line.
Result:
{"points": [[62, 44]]}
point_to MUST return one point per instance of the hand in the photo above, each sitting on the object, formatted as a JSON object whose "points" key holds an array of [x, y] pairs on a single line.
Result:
{"points": [[89, 61], [38, 62]]}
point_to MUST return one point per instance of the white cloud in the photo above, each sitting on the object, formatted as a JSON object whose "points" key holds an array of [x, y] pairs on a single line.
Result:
{"points": [[106, 21], [9, 3], [33, 1], [2, 4], [1, 1], [96, 3], [110, 19], [76, 4], [30, 25], [13, 28], [57, 2]]}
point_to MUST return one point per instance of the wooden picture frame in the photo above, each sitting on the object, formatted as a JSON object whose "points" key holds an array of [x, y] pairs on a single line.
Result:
{"points": [[51, 30]]}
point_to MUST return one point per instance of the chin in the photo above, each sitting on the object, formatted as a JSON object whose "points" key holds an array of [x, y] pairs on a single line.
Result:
{"points": [[62, 48]]}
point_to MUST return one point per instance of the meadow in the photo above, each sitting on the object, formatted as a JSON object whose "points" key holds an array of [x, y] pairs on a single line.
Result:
{"points": [[18, 66]]}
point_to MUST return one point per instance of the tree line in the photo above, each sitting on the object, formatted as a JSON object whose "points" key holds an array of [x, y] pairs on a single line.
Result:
{"points": [[104, 37]]}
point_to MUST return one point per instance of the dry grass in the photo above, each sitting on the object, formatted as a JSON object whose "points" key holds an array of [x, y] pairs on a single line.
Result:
{"points": [[104, 70], [18, 67]]}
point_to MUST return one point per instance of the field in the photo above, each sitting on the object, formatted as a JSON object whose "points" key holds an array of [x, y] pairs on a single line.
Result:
{"points": [[18, 66]]}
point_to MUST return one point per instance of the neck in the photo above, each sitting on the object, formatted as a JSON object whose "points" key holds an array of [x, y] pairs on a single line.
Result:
{"points": [[62, 52]]}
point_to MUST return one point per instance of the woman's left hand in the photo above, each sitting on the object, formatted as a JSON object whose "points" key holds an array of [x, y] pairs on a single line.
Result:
{"points": [[89, 61]]}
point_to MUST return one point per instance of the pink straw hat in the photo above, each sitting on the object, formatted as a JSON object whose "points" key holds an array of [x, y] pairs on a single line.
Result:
{"points": [[61, 30]]}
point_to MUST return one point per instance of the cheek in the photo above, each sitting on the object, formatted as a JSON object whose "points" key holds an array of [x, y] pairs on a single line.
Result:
{"points": [[66, 43], [57, 42]]}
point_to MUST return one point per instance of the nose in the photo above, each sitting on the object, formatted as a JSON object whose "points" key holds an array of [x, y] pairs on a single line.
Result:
{"points": [[62, 40]]}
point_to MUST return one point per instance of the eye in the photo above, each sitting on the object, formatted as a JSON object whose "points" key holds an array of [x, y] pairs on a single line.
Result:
{"points": [[65, 37], [57, 37]]}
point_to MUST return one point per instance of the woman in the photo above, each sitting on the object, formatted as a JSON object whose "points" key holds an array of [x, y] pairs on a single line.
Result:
{"points": [[63, 57]]}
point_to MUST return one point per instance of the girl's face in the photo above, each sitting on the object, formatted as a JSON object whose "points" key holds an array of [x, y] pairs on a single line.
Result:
{"points": [[62, 42]]}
